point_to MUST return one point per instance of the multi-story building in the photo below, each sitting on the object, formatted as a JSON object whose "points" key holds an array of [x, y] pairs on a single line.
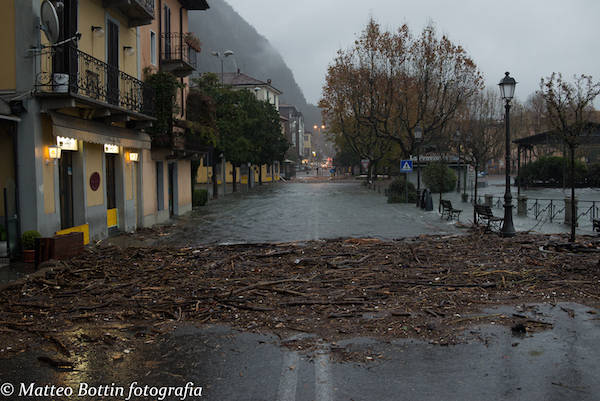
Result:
{"points": [[166, 45], [264, 91], [82, 108], [294, 128], [307, 145]]}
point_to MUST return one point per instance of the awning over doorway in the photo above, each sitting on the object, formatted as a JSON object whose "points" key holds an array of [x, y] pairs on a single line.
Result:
{"points": [[94, 132]]}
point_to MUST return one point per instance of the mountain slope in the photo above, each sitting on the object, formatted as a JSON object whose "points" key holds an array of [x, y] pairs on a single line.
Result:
{"points": [[221, 28]]}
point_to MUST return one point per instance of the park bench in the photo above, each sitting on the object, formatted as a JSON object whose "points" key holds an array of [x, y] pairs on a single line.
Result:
{"points": [[596, 223], [485, 216], [449, 211]]}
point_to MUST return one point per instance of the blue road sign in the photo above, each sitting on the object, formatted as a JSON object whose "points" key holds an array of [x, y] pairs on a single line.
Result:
{"points": [[406, 166]]}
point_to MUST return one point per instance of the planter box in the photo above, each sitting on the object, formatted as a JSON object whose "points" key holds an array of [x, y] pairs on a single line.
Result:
{"points": [[59, 247]]}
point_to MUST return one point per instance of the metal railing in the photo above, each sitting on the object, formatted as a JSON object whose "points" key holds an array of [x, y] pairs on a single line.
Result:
{"points": [[66, 69], [174, 47], [147, 4], [550, 209]]}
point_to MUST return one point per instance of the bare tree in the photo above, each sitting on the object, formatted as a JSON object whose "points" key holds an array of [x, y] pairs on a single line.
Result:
{"points": [[481, 133], [569, 111], [436, 81]]}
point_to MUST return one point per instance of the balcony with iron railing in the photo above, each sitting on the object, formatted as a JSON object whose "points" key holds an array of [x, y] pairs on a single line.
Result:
{"points": [[138, 12], [68, 72], [178, 53]]}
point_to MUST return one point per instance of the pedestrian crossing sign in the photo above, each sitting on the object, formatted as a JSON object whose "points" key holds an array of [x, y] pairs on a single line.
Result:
{"points": [[406, 166]]}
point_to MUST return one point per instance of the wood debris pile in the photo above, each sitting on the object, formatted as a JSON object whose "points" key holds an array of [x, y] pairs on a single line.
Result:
{"points": [[430, 287]]}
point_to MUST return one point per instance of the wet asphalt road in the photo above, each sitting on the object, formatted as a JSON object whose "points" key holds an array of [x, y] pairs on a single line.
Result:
{"points": [[558, 364]]}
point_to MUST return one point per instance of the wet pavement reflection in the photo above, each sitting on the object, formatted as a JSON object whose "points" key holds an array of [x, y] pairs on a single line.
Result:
{"points": [[556, 364]]}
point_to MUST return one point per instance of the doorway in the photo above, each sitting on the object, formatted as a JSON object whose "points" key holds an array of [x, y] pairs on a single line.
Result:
{"points": [[111, 191], [65, 183], [171, 191]]}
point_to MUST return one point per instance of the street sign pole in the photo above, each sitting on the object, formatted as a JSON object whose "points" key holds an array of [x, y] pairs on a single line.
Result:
{"points": [[406, 166]]}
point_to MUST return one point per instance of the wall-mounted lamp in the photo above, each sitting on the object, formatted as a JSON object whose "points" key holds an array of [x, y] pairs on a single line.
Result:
{"points": [[53, 154], [113, 149], [132, 156], [128, 50], [97, 31]]}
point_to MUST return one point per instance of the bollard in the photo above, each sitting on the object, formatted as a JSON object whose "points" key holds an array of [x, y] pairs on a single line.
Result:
{"points": [[522, 206], [428, 204], [568, 212], [489, 200]]}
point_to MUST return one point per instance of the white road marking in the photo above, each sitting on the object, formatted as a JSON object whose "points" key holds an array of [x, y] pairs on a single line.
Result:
{"points": [[289, 377], [322, 377]]}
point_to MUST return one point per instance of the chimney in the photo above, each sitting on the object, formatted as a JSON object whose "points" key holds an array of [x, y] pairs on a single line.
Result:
{"points": [[269, 81]]}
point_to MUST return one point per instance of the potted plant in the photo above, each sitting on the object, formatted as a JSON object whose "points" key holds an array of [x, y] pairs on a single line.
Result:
{"points": [[28, 242]]}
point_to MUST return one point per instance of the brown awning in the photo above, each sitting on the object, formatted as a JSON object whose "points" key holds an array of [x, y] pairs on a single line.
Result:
{"points": [[94, 132]]}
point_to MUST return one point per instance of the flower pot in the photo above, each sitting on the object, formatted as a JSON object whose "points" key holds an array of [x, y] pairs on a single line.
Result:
{"points": [[28, 255]]}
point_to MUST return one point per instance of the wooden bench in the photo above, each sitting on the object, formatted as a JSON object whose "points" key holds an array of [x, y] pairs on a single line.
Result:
{"points": [[596, 223], [449, 211], [485, 216]]}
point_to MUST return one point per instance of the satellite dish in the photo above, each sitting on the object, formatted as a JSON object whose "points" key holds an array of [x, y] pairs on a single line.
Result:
{"points": [[49, 21]]}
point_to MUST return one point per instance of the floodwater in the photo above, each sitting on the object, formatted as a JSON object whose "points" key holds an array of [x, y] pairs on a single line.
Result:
{"points": [[311, 211], [308, 211]]}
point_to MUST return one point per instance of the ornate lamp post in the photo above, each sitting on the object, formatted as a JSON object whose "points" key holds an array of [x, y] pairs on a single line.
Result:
{"points": [[418, 132], [507, 91]]}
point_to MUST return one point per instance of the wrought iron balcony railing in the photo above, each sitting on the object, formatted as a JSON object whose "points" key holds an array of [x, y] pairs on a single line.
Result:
{"points": [[178, 53], [138, 12], [67, 70]]}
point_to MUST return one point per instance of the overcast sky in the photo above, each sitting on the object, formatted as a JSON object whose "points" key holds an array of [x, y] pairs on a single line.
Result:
{"points": [[529, 38]]}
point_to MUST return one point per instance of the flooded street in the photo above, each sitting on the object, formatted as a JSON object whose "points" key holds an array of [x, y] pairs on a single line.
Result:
{"points": [[307, 211], [302, 211]]}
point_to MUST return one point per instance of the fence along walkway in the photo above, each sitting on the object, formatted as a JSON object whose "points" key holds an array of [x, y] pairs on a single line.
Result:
{"points": [[546, 208]]}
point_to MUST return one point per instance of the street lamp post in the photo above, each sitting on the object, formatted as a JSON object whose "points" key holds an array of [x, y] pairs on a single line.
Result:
{"points": [[457, 139], [507, 91], [222, 57], [418, 139], [318, 129]]}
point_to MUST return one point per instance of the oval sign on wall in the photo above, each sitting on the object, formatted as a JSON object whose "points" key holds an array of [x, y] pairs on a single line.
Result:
{"points": [[95, 181]]}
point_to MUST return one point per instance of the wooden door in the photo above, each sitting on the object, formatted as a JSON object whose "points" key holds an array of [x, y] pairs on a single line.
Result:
{"points": [[65, 182]]}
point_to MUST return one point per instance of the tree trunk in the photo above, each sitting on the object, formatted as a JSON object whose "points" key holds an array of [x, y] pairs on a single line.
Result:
{"points": [[573, 209], [374, 172], [214, 176], [234, 173], [260, 174], [440, 204], [475, 196]]}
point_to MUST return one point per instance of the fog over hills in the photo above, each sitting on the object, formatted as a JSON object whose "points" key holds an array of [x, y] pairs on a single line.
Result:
{"points": [[221, 28]]}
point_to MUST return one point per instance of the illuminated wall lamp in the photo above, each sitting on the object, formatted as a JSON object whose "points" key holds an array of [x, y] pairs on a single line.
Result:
{"points": [[132, 156], [54, 153]]}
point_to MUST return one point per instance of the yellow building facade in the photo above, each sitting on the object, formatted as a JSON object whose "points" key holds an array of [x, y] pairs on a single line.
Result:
{"points": [[81, 110]]}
